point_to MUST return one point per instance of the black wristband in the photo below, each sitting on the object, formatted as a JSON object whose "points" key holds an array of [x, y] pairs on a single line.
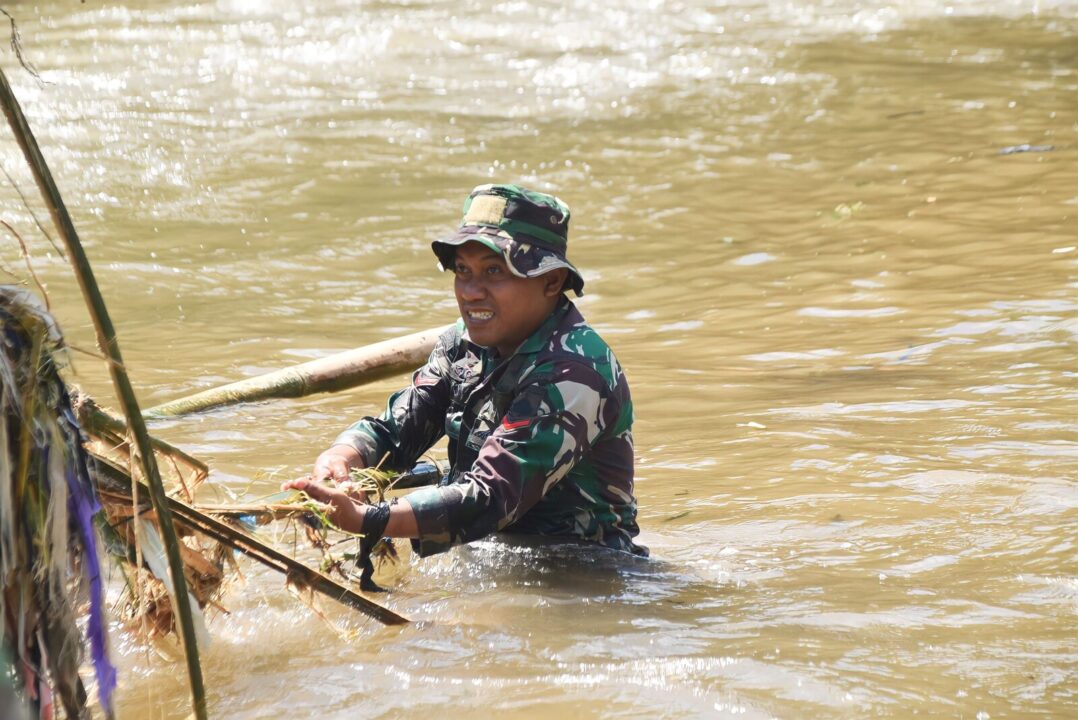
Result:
{"points": [[375, 520]]}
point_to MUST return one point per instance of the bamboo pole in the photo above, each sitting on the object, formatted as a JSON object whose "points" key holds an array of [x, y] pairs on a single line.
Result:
{"points": [[329, 374], [110, 346]]}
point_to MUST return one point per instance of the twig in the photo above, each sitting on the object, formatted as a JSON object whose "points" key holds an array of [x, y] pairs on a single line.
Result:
{"points": [[29, 264], [8, 271], [26, 204], [84, 351], [16, 45]]}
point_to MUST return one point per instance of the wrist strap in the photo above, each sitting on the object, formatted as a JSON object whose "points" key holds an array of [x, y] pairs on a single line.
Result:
{"points": [[375, 520]]}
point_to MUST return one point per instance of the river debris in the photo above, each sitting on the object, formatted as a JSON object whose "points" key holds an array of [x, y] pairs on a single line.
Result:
{"points": [[1026, 148], [905, 113], [56, 484], [133, 538], [108, 434], [355, 563], [202, 533], [48, 547], [42, 497], [109, 345], [208, 544]]}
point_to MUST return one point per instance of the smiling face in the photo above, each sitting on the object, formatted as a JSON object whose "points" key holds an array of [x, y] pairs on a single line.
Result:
{"points": [[499, 308]]}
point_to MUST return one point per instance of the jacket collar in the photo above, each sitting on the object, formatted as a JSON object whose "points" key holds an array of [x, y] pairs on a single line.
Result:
{"points": [[541, 337]]}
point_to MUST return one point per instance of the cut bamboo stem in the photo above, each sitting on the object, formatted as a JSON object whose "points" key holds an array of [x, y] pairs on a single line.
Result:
{"points": [[329, 374], [110, 346], [98, 421]]}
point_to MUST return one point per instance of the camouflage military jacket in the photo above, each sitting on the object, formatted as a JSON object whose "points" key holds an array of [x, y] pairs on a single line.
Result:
{"points": [[540, 443]]}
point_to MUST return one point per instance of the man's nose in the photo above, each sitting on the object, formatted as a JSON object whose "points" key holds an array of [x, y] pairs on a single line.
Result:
{"points": [[472, 289]]}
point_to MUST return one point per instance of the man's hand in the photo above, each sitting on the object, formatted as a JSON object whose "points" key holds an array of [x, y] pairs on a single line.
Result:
{"points": [[344, 511], [347, 512], [335, 464]]}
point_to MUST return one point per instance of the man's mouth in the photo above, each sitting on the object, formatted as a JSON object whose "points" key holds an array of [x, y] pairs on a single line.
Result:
{"points": [[480, 315]]}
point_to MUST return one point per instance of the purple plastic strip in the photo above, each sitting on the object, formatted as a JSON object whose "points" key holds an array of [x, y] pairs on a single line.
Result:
{"points": [[84, 508]]}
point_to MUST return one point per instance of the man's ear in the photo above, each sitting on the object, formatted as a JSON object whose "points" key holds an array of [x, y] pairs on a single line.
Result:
{"points": [[555, 281]]}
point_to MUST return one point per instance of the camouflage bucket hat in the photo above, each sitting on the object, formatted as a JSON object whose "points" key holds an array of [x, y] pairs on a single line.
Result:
{"points": [[530, 229]]}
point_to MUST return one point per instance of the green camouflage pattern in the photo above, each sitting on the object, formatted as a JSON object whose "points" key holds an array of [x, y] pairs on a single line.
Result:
{"points": [[530, 229], [539, 444], [519, 211]]}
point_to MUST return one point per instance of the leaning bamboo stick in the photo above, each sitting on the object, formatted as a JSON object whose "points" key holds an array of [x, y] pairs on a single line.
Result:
{"points": [[329, 374], [95, 421], [110, 346], [292, 569]]}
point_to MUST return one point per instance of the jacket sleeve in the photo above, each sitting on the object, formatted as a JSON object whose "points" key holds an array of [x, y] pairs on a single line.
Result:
{"points": [[414, 418], [551, 424]]}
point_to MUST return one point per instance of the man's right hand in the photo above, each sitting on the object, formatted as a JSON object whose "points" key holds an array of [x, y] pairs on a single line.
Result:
{"points": [[344, 511]]}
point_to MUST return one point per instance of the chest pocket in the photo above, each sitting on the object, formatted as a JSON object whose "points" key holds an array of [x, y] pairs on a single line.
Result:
{"points": [[497, 404], [484, 425], [464, 376]]}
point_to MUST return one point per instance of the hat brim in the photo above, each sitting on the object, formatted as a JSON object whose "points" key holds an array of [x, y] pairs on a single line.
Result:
{"points": [[525, 259]]}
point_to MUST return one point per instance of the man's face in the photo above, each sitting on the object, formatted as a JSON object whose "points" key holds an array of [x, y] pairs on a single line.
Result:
{"points": [[500, 309]]}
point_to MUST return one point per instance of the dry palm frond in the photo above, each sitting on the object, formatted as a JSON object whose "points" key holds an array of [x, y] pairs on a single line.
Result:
{"points": [[371, 483], [191, 523], [134, 541], [48, 547]]}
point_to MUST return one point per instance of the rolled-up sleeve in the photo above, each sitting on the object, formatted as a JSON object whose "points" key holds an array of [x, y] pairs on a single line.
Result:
{"points": [[414, 418], [551, 424]]}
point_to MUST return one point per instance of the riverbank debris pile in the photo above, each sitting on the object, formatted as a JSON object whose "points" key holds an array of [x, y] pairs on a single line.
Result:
{"points": [[70, 482], [48, 548]]}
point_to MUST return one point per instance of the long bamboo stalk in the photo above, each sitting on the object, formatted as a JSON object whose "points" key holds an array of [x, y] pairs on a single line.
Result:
{"points": [[272, 558], [329, 374], [109, 345]]}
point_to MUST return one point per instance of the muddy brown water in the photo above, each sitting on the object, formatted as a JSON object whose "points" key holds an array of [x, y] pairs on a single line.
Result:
{"points": [[848, 319]]}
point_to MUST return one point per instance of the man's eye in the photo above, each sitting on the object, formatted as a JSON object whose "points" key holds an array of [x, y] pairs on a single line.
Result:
{"points": [[494, 270], [460, 270]]}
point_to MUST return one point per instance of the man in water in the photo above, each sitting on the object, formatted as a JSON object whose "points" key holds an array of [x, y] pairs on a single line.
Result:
{"points": [[535, 405]]}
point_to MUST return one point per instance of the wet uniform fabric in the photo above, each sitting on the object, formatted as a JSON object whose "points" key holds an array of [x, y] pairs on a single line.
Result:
{"points": [[539, 444]]}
